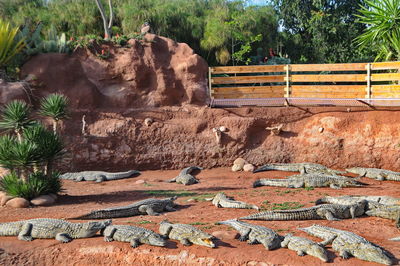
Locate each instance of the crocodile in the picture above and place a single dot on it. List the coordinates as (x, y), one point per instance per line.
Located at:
(61, 230)
(350, 199)
(186, 234)
(134, 235)
(385, 211)
(375, 173)
(303, 168)
(150, 206)
(98, 176)
(348, 243)
(395, 238)
(304, 246)
(332, 212)
(255, 234)
(222, 201)
(310, 180)
(185, 177)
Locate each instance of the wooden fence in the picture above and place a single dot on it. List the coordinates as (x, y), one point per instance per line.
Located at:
(344, 81)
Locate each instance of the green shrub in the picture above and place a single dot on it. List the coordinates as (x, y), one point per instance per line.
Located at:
(38, 184)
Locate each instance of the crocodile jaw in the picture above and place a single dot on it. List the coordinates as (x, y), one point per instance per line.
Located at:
(204, 242)
(370, 253)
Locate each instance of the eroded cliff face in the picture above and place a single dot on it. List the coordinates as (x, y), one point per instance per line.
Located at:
(182, 136)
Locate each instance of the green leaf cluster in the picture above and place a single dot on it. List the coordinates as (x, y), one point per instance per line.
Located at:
(9, 45)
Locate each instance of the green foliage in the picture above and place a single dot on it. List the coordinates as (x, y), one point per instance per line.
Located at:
(51, 44)
(16, 116)
(382, 19)
(9, 45)
(54, 106)
(37, 185)
(17, 154)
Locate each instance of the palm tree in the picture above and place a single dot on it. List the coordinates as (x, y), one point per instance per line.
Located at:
(54, 106)
(382, 18)
(16, 117)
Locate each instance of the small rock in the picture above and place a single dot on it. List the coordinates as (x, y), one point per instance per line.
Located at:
(236, 168)
(43, 200)
(222, 129)
(321, 129)
(5, 199)
(148, 121)
(248, 167)
(140, 181)
(18, 203)
(224, 235)
(240, 161)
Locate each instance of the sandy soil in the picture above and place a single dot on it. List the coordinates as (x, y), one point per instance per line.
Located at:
(80, 198)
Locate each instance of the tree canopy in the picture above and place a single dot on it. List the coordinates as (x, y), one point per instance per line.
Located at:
(222, 31)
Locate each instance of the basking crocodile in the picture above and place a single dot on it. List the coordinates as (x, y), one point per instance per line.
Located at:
(347, 243)
(310, 180)
(391, 212)
(304, 246)
(185, 177)
(255, 234)
(350, 199)
(332, 212)
(186, 234)
(134, 235)
(98, 176)
(61, 230)
(303, 168)
(375, 173)
(150, 206)
(222, 201)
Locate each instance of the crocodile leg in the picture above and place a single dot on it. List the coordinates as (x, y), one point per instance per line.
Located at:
(328, 215)
(170, 208)
(344, 254)
(252, 239)
(302, 170)
(334, 186)
(171, 180)
(244, 235)
(25, 233)
(286, 241)
(185, 242)
(327, 241)
(79, 178)
(63, 237)
(110, 236)
(148, 209)
(301, 253)
(135, 242)
(381, 177)
(101, 178)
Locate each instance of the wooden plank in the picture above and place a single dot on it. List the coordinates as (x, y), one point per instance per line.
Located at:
(248, 95)
(247, 69)
(328, 78)
(329, 67)
(246, 79)
(385, 65)
(386, 88)
(328, 88)
(329, 95)
(386, 94)
(385, 76)
(249, 89)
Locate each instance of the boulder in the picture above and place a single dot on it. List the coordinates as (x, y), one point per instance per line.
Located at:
(236, 168)
(43, 200)
(54, 196)
(18, 203)
(140, 181)
(248, 167)
(240, 162)
(4, 198)
(224, 235)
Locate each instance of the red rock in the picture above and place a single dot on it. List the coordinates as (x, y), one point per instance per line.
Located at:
(18, 203)
(248, 167)
(224, 235)
(43, 200)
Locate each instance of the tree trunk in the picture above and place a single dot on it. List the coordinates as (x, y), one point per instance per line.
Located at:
(49, 168)
(107, 23)
(55, 126)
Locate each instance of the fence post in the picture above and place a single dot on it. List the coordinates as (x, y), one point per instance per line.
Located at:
(368, 78)
(210, 82)
(287, 88)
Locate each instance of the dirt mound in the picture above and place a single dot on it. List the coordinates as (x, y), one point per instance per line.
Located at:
(13, 91)
(155, 72)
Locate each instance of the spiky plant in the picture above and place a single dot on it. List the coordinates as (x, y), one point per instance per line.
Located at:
(49, 145)
(55, 106)
(382, 18)
(16, 117)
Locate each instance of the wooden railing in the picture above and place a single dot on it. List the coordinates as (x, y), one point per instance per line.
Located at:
(345, 81)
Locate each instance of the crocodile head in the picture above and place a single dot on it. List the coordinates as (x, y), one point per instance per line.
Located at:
(319, 252)
(369, 252)
(351, 182)
(204, 241)
(155, 240)
(91, 228)
(271, 244)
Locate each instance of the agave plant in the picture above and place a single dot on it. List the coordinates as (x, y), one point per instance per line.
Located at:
(382, 18)
(49, 145)
(16, 117)
(9, 46)
(54, 106)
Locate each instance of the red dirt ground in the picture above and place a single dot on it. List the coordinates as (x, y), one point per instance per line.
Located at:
(80, 198)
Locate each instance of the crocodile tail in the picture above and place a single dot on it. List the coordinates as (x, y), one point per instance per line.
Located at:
(102, 214)
(264, 168)
(271, 182)
(293, 215)
(227, 222)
